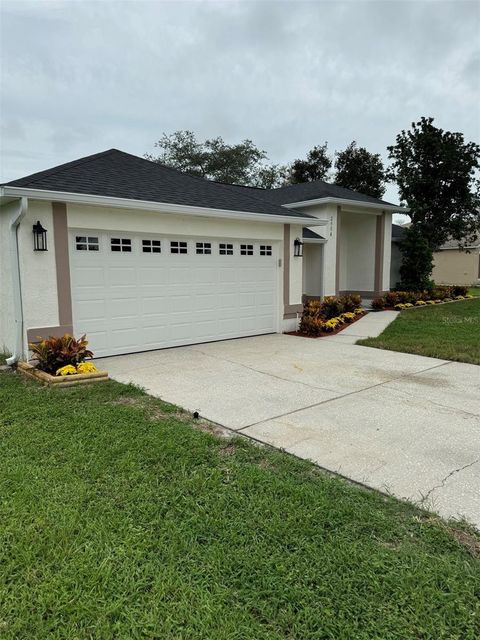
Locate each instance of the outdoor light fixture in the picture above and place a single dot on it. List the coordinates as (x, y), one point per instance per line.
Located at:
(39, 237)
(298, 248)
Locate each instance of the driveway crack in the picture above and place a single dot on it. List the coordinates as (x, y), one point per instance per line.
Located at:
(446, 478)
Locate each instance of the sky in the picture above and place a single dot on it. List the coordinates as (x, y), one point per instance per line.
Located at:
(78, 77)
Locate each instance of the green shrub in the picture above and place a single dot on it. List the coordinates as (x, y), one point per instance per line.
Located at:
(459, 290)
(350, 302)
(378, 304)
(53, 353)
(332, 307)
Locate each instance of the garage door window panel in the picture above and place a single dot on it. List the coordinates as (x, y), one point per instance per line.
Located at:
(151, 246)
(121, 245)
(246, 249)
(225, 249)
(177, 246)
(86, 243)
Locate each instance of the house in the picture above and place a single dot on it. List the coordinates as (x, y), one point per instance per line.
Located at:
(398, 232)
(452, 265)
(140, 256)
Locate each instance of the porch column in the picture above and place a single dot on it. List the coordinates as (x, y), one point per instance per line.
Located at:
(379, 251)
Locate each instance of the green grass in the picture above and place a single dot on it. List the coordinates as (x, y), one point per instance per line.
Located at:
(447, 331)
(3, 357)
(118, 519)
(474, 291)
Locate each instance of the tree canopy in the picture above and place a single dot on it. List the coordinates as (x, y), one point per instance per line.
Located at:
(435, 171)
(243, 163)
(316, 166)
(358, 169)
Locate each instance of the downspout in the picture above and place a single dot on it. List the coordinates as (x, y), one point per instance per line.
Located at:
(16, 281)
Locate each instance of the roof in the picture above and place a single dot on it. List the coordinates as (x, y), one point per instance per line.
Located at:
(117, 174)
(397, 232)
(454, 244)
(319, 189)
(308, 234)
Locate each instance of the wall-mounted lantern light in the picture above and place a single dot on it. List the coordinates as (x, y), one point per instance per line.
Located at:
(298, 248)
(39, 237)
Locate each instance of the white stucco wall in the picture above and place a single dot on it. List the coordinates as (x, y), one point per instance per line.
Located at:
(90, 217)
(37, 274)
(296, 268)
(38, 270)
(358, 239)
(329, 232)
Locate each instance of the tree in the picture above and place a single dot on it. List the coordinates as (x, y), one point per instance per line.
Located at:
(435, 173)
(417, 261)
(214, 159)
(360, 170)
(316, 166)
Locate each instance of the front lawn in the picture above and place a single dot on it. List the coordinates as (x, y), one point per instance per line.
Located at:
(448, 331)
(474, 291)
(119, 519)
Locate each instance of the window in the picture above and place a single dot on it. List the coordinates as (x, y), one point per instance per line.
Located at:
(246, 249)
(204, 248)
(86, 243)
(151, 246)
(178, 247)
(225, 249)
(121, 244)
(265, 249)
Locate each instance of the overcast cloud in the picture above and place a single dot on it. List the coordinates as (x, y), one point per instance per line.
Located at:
(79, 77)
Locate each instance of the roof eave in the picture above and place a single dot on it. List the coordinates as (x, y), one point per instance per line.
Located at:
(345, 201)
(148, 205)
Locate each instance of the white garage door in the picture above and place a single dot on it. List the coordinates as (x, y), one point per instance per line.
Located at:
(138, 292)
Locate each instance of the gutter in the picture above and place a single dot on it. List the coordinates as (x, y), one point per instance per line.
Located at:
(16, 281)
(160, 207)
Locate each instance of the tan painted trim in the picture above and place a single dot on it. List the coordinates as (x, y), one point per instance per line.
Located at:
(33, 335)
(379, 251)
(290, 316)
(60, 236)
(293, 308)
(337, 251)
(364, 294)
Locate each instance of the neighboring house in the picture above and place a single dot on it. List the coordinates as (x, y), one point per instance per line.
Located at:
(396, 257)
(140, 256)
(452, 265)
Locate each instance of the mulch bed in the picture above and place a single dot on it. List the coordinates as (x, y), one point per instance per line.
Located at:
(326, 334)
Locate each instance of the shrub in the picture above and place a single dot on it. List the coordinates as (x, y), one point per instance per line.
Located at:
(350, 302)
(378, 304)
(459, 298)
(459, 290)
(55, 353)
(391, 298)
(332, 307)
(420, 303)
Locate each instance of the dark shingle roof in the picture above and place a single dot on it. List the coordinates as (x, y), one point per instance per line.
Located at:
(118, 174)
(397, 232)
(311, 235)
(454, 244)
(319, 189)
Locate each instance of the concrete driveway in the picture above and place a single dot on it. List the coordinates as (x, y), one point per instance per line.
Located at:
(400, 423)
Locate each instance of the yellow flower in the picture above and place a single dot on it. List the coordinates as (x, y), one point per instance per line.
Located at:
(420, 303)
(67, 370)
(86, 367)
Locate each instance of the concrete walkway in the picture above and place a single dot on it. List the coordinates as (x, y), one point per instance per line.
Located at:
(397, 422)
